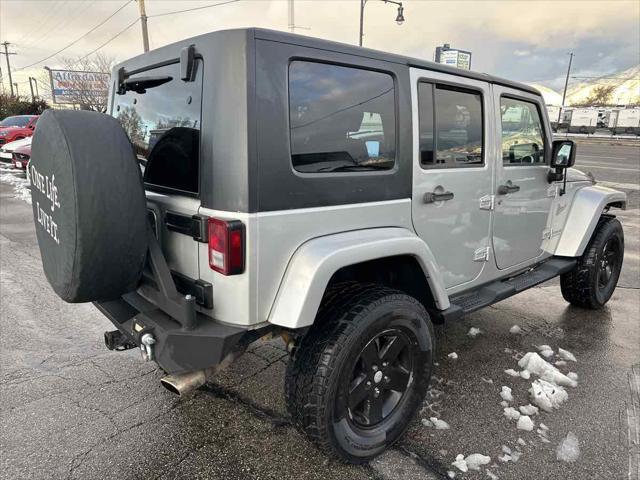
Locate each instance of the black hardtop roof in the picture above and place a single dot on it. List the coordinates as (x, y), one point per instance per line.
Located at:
(312, 42)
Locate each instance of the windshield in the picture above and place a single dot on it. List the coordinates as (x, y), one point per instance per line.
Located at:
(19, 121)
(163, 123)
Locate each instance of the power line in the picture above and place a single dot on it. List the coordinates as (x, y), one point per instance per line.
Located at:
(192, 9)
(79, 38)
(109, 41)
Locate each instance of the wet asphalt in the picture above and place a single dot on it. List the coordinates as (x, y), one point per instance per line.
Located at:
(71, 409)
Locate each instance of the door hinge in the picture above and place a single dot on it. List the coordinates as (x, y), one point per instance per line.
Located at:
(487, 202)
(481, 254)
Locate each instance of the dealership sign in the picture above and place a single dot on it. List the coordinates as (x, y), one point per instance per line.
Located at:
(69, 86)
(453, 57)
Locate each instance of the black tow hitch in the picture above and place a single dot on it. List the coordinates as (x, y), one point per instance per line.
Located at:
(117, 341)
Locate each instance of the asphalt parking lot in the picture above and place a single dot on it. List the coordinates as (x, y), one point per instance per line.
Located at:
(71, 409)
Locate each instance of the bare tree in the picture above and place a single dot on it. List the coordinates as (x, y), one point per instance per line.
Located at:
(89, 91)
(599, 96)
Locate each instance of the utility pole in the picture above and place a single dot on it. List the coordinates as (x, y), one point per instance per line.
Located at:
(292, 21)
(17, 94)
(143, 23)
(566, 83)
(6, 54)
(33, 97)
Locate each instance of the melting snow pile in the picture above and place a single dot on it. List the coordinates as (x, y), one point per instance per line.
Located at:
(547, 395)
(472, 462)
(453, 356)
(21, 186)
(534, 363)
(525, 423)
(546, 351)
(515, 330)
(505, 393)
(473, 332)
(566, 355)
(569, 449)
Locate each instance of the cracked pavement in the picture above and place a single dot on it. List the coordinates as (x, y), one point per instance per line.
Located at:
(70, 409)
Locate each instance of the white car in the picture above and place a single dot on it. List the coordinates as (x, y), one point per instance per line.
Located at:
(7, 150)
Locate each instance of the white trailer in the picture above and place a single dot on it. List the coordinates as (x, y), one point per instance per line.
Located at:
(554, 112)
(583, 120)
(627, 121)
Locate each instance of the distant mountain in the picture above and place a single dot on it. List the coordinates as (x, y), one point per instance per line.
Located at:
(620, 88)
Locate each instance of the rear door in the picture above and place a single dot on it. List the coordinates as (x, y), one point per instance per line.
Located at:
(163, 123)
(453, 171)
(523, 195)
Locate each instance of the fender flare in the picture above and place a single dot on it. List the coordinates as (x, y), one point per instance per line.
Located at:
(314, 263)
(586, 209)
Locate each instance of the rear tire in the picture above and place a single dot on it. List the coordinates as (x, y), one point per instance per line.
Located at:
(359, 375)
(593, 280)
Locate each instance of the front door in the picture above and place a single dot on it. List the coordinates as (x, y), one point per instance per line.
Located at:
(523, 195)
(452, 171)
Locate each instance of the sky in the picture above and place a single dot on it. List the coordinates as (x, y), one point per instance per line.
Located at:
(521, 40)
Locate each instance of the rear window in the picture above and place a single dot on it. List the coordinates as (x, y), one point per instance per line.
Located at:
(163, 124)
(342, 119)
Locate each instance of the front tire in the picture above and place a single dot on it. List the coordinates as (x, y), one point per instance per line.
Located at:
(593, 280)
(359, 375)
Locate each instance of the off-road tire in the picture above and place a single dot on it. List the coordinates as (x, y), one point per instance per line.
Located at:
(580, 286)
(351, 315)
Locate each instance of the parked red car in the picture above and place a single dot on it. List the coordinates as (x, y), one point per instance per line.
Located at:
(20, 157)
(17, 127)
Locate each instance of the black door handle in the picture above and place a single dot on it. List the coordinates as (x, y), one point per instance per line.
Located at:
(431, 197)
(508, 188)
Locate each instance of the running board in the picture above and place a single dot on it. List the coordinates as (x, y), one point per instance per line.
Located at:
(498, 290)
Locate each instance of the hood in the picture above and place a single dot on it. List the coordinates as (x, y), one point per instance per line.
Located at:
(24, 149)
(11, 146)
(575, 175)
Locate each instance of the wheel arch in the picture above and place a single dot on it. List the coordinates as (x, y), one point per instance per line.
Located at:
(587, 207)
(396, 257)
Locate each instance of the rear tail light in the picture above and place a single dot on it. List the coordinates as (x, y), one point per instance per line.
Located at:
(226, 246)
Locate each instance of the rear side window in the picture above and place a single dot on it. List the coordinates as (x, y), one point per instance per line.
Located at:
(455, 116)
(342, 119)
(163, 123)
(522, 133)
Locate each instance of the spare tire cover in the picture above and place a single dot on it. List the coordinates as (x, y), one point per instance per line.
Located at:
(89, 205)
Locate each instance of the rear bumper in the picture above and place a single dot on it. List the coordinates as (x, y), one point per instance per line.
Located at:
(176, 350)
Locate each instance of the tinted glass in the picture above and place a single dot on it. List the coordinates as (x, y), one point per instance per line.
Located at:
(163, 124)
(18, 121)
(341, 119)
(458, 127)
(522, 133)
(426, 118)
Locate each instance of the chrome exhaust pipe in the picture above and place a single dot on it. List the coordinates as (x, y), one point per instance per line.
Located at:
(185, 383)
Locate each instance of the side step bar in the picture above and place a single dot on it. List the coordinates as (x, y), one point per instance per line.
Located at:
(498, 290)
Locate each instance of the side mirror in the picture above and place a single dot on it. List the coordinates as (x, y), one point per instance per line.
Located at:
(563, 154)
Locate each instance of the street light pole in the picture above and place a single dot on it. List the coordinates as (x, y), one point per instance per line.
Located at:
(143, 23)
(566, 83)
(399, 17)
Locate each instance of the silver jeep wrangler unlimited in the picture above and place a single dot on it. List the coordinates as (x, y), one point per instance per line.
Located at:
(340, 197)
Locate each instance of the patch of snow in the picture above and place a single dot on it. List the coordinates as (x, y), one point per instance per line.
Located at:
(506, 450)
(569, 449)
(543, 426)
(573, 376)
(491, 475)
(525, 374)
(451, 474)
(487, 380)
(460, 463)
(528, 410)
(515, 456)
(439, 424)
(511, 413)
(508, 350)
(535, 364)
(566, 355)
(504, 404)
(473, 332)
(546, 351)
(561, 363)
(547, 395)
(505, 393)
(515, 330)
(476, 460)
(504, 458)
(426, 423)
(525, 423)
(512, 372)
(522, 442)
(453, 356)
(21, 188)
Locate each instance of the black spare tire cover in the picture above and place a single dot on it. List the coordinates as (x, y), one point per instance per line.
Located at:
(89, 205)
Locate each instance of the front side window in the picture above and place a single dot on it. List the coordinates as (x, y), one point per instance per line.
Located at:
(17, 121)
(341, 119)
(163, 123)
(522, 133)
(456, 118)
